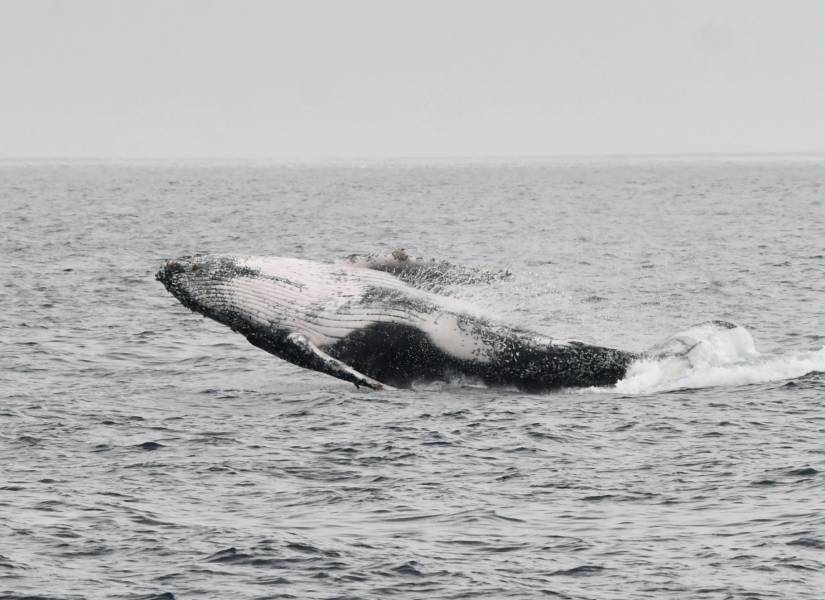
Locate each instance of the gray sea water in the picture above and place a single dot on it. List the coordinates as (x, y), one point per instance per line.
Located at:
(148, 453)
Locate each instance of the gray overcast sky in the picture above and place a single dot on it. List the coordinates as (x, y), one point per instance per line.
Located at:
(324, 79)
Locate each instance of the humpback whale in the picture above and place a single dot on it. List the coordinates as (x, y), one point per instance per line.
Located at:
(364, 320)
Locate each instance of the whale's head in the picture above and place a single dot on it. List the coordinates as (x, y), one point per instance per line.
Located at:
(188, 279)
(205, 283)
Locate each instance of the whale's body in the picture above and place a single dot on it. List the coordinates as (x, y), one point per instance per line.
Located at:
(363, 324)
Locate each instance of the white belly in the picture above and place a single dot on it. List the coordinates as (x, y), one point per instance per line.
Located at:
(327, 302)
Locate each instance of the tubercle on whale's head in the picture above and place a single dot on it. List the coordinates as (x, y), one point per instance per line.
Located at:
(173, 274)
(188, 278)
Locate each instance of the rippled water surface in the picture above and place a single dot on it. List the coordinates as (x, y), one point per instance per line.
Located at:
(148, 453)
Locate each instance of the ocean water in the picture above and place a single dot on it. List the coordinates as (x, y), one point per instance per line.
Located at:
(146, 452)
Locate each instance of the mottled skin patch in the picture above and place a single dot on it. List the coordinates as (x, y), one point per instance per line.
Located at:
(396, 300)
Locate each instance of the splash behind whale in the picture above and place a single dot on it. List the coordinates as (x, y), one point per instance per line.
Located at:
(359, 321)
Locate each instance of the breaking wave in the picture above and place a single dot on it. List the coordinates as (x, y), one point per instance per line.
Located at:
(712, 355)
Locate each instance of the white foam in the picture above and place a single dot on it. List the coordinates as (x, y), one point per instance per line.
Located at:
(713, 356)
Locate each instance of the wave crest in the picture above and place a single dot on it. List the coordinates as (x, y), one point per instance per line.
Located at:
(713, 354)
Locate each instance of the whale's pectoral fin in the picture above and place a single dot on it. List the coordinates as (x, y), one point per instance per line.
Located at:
(425, 274)
(306, 354)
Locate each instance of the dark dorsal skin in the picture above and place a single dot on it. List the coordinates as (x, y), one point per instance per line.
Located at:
(399, 355)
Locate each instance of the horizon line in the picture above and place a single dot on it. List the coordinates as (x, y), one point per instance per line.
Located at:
(456, 157)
